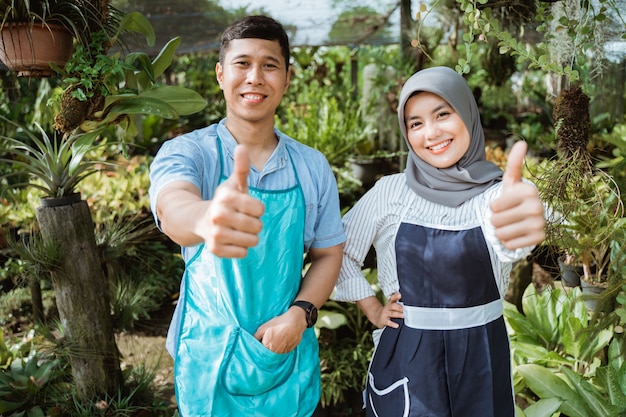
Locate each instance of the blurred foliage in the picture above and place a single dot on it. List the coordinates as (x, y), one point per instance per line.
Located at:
(322, 108)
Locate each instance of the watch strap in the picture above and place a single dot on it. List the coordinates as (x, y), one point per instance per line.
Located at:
(309, 309)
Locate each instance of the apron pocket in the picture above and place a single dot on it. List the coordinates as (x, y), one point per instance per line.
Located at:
(390, 401)
(252, 369)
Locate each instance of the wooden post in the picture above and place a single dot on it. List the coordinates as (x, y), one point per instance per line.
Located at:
(82, 299)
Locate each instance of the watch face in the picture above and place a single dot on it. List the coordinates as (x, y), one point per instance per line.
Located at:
(313, 316)
(310, 309)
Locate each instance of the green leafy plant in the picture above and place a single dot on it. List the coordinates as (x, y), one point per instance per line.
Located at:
(571, 35)
(79, 17)
(586, 218)
(345, 351)
(104, 88)
(52, 165)
(86, 78)
(346, 346)
(27, 379)
(133, 247)
(36, 384)
(559, 359)
(552, 330)
(325, 123)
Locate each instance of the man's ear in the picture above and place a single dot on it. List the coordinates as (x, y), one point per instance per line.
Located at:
(219, 73)
(288, 79)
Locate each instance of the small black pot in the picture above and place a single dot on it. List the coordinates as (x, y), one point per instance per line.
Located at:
(65, 200)
(570, 274)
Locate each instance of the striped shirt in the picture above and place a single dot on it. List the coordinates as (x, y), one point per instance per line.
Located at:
(374, 221)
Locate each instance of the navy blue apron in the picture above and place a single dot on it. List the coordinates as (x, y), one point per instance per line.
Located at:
(450, 356)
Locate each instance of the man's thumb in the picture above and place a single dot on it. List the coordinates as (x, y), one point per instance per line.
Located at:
(514, 163)
(241, 169)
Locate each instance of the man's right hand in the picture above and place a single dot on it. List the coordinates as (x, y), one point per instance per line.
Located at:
(232, 223)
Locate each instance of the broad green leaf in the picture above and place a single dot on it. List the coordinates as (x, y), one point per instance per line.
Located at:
(141, 105)
(164, 59)
(545, 384)
(330, 319)
(572, 337)
(590, 394)
(527, 352)
(141, 75)
(617, 353)
(608, 379)
(137, 22)
(595, 342)
(35, 412)
(540, 313)
(517, 322)
(543, 408)
(6, 406)
(184, 100)
(109, 100)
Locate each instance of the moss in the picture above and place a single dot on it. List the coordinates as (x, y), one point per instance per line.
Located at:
(572, 122)
(74, 111)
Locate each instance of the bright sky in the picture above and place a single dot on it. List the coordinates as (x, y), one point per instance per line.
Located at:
(313, 18)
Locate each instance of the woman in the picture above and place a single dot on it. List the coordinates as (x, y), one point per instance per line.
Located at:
(446, 232)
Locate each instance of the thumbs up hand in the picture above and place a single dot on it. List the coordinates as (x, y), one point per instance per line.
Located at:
(233, 219)
(517, 214)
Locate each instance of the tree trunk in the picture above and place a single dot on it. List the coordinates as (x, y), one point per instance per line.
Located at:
(82, 299)
(36, 300)
(406, 21)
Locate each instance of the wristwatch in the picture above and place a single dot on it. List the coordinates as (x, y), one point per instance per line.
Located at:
(309, 309)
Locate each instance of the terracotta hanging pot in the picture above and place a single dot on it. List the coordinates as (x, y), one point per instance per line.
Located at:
(29, 49)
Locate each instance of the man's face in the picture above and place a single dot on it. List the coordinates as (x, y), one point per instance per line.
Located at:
(254, 78)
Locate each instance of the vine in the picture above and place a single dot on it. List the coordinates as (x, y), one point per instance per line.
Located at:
(575, 32)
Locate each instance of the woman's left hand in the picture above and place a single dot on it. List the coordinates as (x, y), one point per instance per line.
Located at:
(518, 214)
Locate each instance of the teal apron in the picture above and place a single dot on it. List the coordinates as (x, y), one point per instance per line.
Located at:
(220, 368)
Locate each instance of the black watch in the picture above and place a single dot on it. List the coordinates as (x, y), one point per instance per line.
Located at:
(310, 310)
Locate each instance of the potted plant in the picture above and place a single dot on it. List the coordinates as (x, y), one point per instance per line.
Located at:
(34, 34)
(589, 231)
(57, 165)
(53, 166)
(587, 210)
(104, 88)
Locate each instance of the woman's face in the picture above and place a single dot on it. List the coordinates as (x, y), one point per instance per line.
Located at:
(435, 130)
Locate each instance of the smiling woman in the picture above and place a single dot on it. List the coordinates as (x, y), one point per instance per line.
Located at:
(442, 310)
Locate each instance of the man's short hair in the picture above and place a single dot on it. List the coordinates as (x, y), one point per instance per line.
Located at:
(256, 27)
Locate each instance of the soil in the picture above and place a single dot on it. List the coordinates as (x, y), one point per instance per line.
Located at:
(146, 347)
(149, 351)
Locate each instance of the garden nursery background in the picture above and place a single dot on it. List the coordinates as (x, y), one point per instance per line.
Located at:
(88, 284)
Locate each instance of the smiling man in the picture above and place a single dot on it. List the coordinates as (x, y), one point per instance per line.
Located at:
(245, 202)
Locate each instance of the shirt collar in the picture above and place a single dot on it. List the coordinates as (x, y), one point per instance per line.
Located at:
(276, 161)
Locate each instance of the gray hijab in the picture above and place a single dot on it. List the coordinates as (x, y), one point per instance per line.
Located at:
(473, 173)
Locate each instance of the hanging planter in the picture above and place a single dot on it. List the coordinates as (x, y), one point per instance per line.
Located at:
(29, 49)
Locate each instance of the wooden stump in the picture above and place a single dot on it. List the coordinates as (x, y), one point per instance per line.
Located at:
(82, 299)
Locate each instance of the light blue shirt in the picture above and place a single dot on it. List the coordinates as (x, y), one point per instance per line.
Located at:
(194, 158)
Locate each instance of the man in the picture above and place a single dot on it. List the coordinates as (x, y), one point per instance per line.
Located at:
(246, 202)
